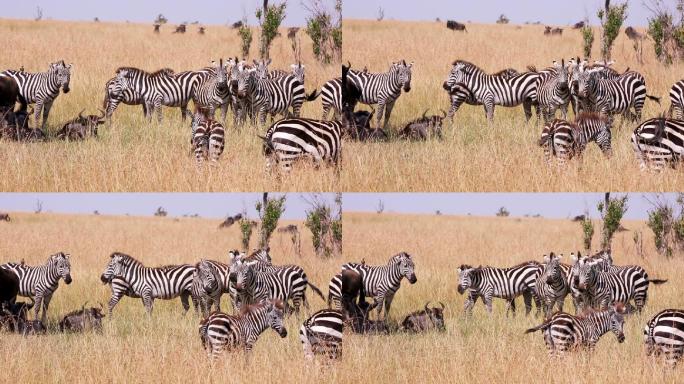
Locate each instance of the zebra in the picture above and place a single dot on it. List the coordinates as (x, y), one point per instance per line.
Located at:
(321, 334)
(119, 288)
(506, 283)
(241, 79)
(553, 92)
(42, 88)
(262, 254)
(552, 284)
(382, 282)
(42, 281)
(676, 110)
(491, 90)
(298, 71)
(564, 332)
(208, 136)
(664, 334)
(151, 283)
(115, 94)
(206, 288)
(293, 139)
(383, 88)
(565, 140)
(459, 93)
(335, 292)
(212, 89)
(331, 98)
(657, 142)
(220, 331)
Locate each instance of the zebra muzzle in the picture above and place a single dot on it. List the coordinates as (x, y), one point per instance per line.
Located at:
(460, 289)
(67, 279)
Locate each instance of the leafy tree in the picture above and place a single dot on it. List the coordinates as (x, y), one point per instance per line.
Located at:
(611, 18)
(270, 18)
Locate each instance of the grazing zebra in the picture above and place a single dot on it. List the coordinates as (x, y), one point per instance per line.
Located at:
(565, 140)
(220, 331)
(331, 98)
(321, 334)
(491, 90)
(657, 142)
(564, 332)
(505, 283)
(115, 94)
(676, 110)
(553, 92)
(664, 334)
(384, 88)
(42, 281)
(335, 292)
(552, 284)
(459, 92)
(208, 136)
(212, 90)
(151, 283)
(293, 139)
(382, 282)
(42, 88)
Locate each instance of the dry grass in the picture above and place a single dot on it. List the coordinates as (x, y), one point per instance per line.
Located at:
(474, 155)
(134, 348)
(488, 349)
(132, 154)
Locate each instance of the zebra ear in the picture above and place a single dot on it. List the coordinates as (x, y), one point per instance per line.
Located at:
(573, 257)
(547, 259)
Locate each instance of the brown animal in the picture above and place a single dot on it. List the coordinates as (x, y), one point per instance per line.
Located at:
(288, 229)
(156, 28)
(425, 320)
(292, 32)
(81, 127)
(456, 26)
(552, 31)
(82, 320)
(180, 29)
(230, 220)
(5, 216)
(424, 127)
(578, 25)
(201, 30)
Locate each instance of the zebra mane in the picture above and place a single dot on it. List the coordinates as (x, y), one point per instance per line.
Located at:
(163, 72)
(247, 309)
(468, 66)
(531, 262)
(585, 117)
(532, 68)
(508, 71)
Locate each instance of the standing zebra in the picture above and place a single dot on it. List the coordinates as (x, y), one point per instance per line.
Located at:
(42, 281)
(676, 110)
(384, 88)
(119, 288)
(553, 92)
(331, 98)
(664, 334)
(42, 88)
(459, 93)
(220, 331)
(382, 282)
(241, 79)
(321, 334)
(565, 140)
(657, 142)
(552, 284)
(491, 90)
(151, 283)
(297, 71)
(564, 332)
(206, 288)
(335, 292)
(116, 93)
(506, 283)
(208, 136)
(212, 90)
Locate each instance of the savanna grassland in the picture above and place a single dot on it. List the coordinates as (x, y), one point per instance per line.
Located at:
(132, 154)
(477, 156)
(134, 347)
(494, 349)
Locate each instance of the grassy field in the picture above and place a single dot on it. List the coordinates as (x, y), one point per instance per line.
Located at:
(477, 156)
(132, 154)
(486, 349)
(133, 347)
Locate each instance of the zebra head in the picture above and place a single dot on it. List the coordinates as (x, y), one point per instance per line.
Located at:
(583, 81)
(562, 73)
(221, 75)
(60, 261)
(586, 273)
(261, 68)
(298, 71)
(242, 77)
(63, 74)
(275, 312)
(403, 73)
(205, 274)
(261, 255)
(406, 266)
(243, 274)
(552, 271)
(113, 269)
(464, 278)
(617, 321)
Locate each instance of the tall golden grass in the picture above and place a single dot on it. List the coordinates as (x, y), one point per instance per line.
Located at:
(477, 156)
(132, 154)
(493, 348)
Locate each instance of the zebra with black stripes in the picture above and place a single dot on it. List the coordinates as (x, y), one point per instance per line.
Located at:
(505, 283)
(150, 283)
(119, 288)
(564, 332)
(208, 136)
(116, 93)
(331, 98)
(206, 287)
(552, 284)
(664, 335)
(553, 91)
(212, 90)
(381, 282)
(42, 88)
(383, 88)
(321, 334)
(220, 331)
(335, 292)
(241, 79)
(676, 110)
(459, 93)
(296, 70)
(564, 140)
(491, 90)
(41, 282)
(658, 142)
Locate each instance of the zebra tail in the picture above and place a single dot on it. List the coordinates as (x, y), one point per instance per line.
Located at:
(313, 95)
(539, 327)
(656, 99)
(657, 281)
(315, 289)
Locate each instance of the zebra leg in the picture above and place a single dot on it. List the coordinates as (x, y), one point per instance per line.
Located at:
(388, 113)
(527, 108)
(159, 111)
(184, 111)
(37, 305)
(489, 109)
(380, 112)
(487, 298)
(379, 302)
(46, 112)
(46, 304)
(388, 304)
(148, 301)
(113, 301)
(469, 303)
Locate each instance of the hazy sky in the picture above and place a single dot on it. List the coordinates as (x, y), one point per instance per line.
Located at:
(560, 12)
(204, 11)
(211, 205)
(552, 205)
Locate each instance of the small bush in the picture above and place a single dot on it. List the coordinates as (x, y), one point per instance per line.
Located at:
(587, 39)
(502, 212)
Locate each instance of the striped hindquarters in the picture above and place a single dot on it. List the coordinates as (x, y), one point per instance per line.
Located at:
(321, 334)
(664, 335)
(658, 141)
(208, 138)
(677, 100)
(335, 292)
(331, 97)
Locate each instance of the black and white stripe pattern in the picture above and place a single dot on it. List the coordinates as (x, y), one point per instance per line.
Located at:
(119, 288)
(41, 282)
(552, 284)
(296, 70)
(293, 139)
(335, 292)
(564, 140)
(459, 93)
(491, 90)
(676, 110)
(207, 286)
(208, 136)
(212, 90)
(220, 331)
(116, 93)
(321, 334)
(42, 88)
(382, 282)
(505, 283)
(331, 98)
(664, 335)
(553, 91)
(565, 332)
(151, 283)
(658, 142)
(384, 88)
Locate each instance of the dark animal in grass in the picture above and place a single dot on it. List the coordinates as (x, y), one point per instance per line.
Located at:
(578, 25)
(83, 320)
(31, 327)
(180, 29)
(156, 28)
(9, 288)
(17, 129)
(81, 127)
(425, 320)
(456, 26)
(424, 127)
(230, 220)
(201, 30)
(9, 95)
(12, 315)
(553, 31)
(5, 216)
(362, 130)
